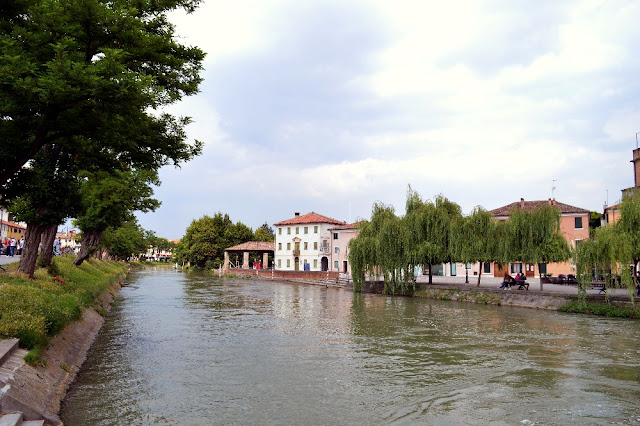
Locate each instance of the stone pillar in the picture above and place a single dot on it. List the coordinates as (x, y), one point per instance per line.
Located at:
(265, 260)
(226, 260)
(245, 260)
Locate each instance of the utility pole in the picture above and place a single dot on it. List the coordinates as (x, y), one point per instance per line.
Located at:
(553, 187)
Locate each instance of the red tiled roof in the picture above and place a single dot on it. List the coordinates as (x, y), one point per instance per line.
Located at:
(312, 217)
(532, 205)
(253, 246)
(613, 207)
(348, 226)
(14, 224)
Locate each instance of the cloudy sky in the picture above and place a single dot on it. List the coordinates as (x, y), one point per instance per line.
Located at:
(330, 106)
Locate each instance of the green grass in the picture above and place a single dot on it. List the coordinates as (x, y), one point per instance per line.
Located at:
(611, 311)
(36, 310)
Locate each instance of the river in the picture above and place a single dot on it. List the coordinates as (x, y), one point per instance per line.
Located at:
(192, 349)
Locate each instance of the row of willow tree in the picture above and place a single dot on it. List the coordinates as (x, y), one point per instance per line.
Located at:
(390, 247)
(83, 85)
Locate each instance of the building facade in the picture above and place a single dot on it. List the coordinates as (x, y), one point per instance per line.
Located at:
(304, 242)
(574, 227)
(340, 237)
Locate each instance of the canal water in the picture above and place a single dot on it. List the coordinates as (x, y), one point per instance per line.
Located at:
(191, 349)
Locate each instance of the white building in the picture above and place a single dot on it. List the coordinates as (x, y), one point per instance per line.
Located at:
(304, 242)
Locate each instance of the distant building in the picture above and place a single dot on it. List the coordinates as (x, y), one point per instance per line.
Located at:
(612, 213)
(574, 227)
(340, 237)
(304, 242)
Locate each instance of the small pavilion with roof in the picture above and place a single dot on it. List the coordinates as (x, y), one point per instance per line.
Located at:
(263, 247)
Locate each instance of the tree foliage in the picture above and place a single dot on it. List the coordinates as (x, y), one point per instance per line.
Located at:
(207, 238)
(612, 251)
(109, 200)
(88, 75)
(391, 247)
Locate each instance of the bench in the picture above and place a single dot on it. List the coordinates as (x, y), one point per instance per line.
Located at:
(522, 285)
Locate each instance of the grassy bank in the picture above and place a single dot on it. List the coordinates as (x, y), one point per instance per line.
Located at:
(35, 310)
(612, 311)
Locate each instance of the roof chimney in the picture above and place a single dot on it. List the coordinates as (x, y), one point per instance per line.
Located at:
(549, 201)
(522, 203)
(297, 214)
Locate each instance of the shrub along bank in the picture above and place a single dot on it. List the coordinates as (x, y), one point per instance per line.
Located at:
(36, 310)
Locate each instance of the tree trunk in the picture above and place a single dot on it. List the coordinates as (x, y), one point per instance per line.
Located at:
(30, 250)
(430, 275)
(46, 243)
(480, 273)
(90, 241)
(540, 277)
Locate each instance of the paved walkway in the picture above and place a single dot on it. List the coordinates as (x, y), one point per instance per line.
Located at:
(5, 260)
(487, 282)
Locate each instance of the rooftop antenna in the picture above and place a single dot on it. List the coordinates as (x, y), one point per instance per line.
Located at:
(553, 186)
(637, 140)
(607, 198)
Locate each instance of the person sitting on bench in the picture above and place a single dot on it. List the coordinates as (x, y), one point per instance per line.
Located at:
(508, 279)
(522, 281)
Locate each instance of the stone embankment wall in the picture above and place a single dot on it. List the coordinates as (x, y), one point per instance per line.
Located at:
(38, 391)
(286, 275)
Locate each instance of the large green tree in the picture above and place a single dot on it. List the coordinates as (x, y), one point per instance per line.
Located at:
(124, 242)
(91, 75)
(44, 196)
(207, 238)
(534, 237)
(473, 239)
(109, 200)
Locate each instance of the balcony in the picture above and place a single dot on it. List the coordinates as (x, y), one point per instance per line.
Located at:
(325, 249)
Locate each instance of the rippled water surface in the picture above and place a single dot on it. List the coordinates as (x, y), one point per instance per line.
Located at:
(196, 350)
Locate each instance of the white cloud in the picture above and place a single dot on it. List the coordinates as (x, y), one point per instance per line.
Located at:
(308, 106)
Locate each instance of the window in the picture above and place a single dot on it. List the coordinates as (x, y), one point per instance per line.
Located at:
(335, 235)
(335, 264)
(516, 268)
(336, 250)
(578, 242)
(487, 267)
(279, 263)
(279, 246)
(297, 229)
(288, 230)
(306, 244)
(315, 229)
(452, 267)
(288, 263)
(315, 263)
(288, 246)
(315, 245)
(578, 223)
(279, 231)
(306, 229)
(305, 262)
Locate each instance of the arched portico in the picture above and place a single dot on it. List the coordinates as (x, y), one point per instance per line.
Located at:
(263, 247)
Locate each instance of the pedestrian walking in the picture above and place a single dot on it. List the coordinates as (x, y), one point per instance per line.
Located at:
(12, 246)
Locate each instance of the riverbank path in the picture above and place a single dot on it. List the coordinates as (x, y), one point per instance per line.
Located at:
(5, 260)
(489, 282)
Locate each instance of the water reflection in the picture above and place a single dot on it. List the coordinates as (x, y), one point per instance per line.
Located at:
(194, 349)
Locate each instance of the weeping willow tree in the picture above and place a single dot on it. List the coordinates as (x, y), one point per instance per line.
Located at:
(429, 227)
(380, 251)
(391, 247)
(534, 237)
(601, 254)
(613, 250)
(473, 238)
